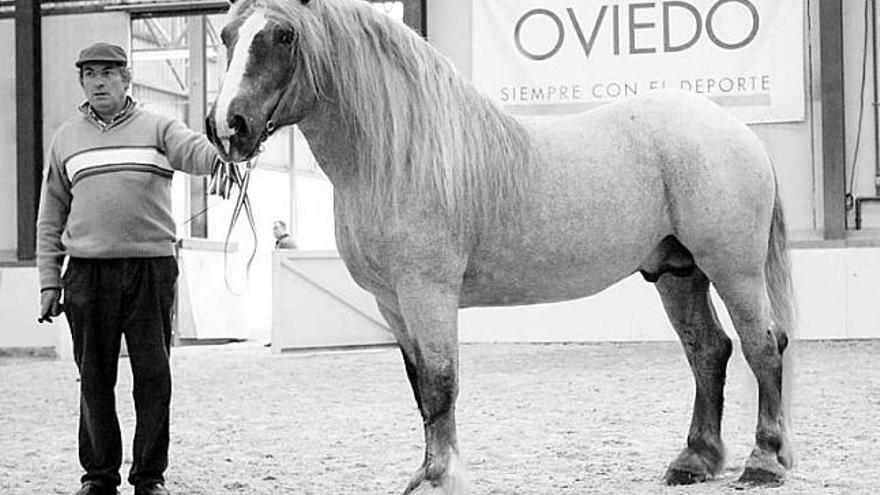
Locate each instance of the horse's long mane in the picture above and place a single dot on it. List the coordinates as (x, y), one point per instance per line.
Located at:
(420, 127)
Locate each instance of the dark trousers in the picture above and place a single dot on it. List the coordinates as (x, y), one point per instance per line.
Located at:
(103, 300)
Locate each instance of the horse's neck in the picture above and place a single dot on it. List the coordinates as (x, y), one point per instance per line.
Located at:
(332, 145)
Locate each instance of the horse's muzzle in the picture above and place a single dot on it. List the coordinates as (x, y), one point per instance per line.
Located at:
(241, 140)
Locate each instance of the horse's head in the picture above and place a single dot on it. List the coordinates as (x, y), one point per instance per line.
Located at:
(260, 91)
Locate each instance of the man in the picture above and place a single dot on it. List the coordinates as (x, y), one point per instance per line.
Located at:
(283, 240)
(106, 206)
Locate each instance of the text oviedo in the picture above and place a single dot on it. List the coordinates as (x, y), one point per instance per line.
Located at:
(633, 29)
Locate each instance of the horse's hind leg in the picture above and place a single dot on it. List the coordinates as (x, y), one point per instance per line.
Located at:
(708, 349)
(763, 343)
(426, 329)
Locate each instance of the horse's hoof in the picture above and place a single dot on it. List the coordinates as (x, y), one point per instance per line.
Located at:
(681, 477)
(761, 477)
(452, 482)
(766, 468)
(692, 466)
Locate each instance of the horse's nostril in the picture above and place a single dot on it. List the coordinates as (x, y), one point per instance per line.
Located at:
(238, 124)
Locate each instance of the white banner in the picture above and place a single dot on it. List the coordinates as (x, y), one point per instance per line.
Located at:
(562, 56)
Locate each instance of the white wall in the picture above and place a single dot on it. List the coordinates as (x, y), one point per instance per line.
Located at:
(8, 194)
(314, 213)
(19, 308)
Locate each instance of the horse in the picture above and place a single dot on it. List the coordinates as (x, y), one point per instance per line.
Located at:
(443, 201)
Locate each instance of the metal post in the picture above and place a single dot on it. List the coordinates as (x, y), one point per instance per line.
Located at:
(196, 83)
(833, 137)
(875, 101)
(29, 122)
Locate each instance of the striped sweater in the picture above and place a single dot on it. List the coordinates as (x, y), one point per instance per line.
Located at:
(107, 187)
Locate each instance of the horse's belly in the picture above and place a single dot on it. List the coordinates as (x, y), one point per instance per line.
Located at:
(542, 274)
(515, 292)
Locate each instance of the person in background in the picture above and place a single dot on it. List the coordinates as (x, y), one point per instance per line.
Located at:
(105, 205)
(283, 239)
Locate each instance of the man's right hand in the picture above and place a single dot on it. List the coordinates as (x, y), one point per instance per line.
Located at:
(50, 305)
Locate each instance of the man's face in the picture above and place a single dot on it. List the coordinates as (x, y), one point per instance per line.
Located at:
(277, 230)
(105, 87)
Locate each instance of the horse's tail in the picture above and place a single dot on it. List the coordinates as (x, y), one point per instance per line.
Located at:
(777, 275)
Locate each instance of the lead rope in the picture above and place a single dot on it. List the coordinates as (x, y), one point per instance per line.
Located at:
(227, 175)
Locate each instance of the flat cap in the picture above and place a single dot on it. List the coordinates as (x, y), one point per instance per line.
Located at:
(102, 52)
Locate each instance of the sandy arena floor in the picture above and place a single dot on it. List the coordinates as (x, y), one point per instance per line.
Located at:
(533, 420)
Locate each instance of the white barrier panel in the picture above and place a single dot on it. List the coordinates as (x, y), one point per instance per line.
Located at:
(207, 311)
(19, 308)
(317, 304)
(836, 292)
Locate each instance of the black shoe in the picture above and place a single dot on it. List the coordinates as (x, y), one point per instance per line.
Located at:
(154, 488)
(93, 488)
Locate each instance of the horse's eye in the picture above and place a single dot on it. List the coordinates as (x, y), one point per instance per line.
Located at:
(284, 37)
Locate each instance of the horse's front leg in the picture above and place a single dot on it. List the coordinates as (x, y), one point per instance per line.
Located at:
(426, 326)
